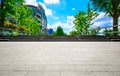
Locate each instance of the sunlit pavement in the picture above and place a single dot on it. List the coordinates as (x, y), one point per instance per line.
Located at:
(59, 58)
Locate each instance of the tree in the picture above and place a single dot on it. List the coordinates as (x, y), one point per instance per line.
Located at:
(24, 15)
(7, 7)
(34, 26)
(59, 31)
(94, 31)
(10, 25)
(80, 21)
(83, 20)
(16, 10)
(91, 15)
(108, 32)
(111, 7)
(73, 33)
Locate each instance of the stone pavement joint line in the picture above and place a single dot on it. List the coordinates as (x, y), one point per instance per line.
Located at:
(54, 73)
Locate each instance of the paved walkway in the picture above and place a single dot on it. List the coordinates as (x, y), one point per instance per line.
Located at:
(60, 59)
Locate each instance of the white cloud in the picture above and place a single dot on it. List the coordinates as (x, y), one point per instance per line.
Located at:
(73, 9)
(67, 26)
(70, 20)
(34, 2)
(102, 23)
(101, 15)
(102, 20)
(51, 1)
(48, 11)
(31, 2)
(119, 21)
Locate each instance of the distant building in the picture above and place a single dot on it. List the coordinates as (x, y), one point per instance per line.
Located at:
(40, 13)
(43, 19)
(50, 31)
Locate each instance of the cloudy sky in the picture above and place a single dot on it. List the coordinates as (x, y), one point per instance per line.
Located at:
(62, 12)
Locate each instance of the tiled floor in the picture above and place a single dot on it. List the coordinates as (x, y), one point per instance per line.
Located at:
(59, 58)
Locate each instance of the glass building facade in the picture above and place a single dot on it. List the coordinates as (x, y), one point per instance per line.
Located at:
(42, 19)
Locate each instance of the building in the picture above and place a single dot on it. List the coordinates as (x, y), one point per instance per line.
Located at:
(50, 31)
(40, 13)
(43, 19)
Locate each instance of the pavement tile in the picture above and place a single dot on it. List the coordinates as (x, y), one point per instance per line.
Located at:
(107, 73)
(76, 74)
(34, 73)
(12, 73)
(47, 73)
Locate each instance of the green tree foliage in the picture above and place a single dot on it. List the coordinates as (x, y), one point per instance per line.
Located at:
(7, 7)
(111, 7)
(25, 18)
(59, 31)
(16, 10)
(34, 26)
(83, 20)
(22, 13)
(91, 15)
(73, 33)
(80, 21)
(108, 32)
(94, 31)
(9, 25)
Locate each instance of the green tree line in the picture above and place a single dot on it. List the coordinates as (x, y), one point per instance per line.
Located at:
(111, 7)
(21, 14)
(83, 20)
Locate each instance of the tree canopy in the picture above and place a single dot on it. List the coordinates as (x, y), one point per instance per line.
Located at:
(18, 12)
(111, 7)
(59, 31)
(7, 7)
(83, 20)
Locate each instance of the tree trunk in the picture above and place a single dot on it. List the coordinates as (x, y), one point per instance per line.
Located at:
(115, 18)
(115, 25)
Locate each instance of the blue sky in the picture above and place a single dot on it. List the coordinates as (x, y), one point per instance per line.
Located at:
(62, 12)
(66, 8)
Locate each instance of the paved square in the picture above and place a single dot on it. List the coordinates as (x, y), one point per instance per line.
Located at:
(59, 58)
